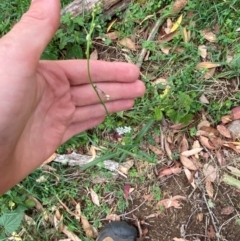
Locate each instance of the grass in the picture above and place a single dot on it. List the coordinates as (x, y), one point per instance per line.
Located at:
(180, 104)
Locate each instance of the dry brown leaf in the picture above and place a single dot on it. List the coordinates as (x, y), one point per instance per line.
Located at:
(155, 150)
(209, 188)
(195, 145)
(209, 74)
(221, 160)
(167, 37)
(169, 23)
(209, 35)
(234, 171)
(94, 197)
(179, 239)
(167, 148)
(128, 43)
(232, 146)
(210, 172)
(171, 202)
(165, 50)
(216, 141)
(58, 221)
(205, 142)
(94, 55)
(200, 217)
(125, 166)
(203, 51)
(112, 35)
(184, 144)
(89, 230)
(113, 217)
(189, 176)
(178, 6)
(162, 81)
(224, 131)
(29, 220)
(191, 152)
(211, 131)
(70, 235)
(210, 232)
(206, 65)
(235, 113)
(203, 123)
(227, 210)
(78, 211)
(203, 99)
(186, 35)
(170, 170)
(226, 119)
(188, 163)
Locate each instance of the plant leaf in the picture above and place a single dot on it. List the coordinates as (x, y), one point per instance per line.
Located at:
(94, 197)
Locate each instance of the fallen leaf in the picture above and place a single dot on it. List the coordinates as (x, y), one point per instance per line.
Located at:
(160, 80)
(234, 128)
(227, 210)
(210, 172)
(224, 131)
(231, 181)
(126, 190)
(58, 221)
(178, 6)
(220, 158)
(111, 24)
(70, 235)
(234, 171)
(211, 131)
(177, 24)
(179, 239)
(206, 65)
(167, 148)
(29, 220)
(89, 230)
(209, 188)
(188, 163)
(165, 50)
(155, 150)
(113, 217)
(112, 35)
(203, 51)
(128, 43)
(184, 144)
(94, 55)
(78, 211)
(200, 217)
(125, 166)
(203, 123)
(94, 197)
(232, 146)
(205, 142)
(209, 74)
(210, 36)
(189, 176)
(210, 232)
(235, 113)
(203, 99)
(167, 37)
(226, 118)
(171, 202)
(170, 170)
(191, 152)
(186, 35)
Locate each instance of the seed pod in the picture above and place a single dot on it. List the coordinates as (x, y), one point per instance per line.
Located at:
(178, 6)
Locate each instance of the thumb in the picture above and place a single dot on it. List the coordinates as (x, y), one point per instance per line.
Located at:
(33, 32)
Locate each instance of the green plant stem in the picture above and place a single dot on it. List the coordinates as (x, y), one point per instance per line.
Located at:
(88, 61)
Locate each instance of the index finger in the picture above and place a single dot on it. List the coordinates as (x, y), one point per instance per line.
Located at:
(77, 73)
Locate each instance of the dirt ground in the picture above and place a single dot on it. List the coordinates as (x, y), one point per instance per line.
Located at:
(192, 221)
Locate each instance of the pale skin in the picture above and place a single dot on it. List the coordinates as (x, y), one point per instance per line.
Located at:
(44, 103)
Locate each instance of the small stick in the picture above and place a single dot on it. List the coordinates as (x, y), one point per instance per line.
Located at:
(151, 36)
(211, 215)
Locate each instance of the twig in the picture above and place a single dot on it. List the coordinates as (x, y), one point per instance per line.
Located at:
(151, 36)
(211, 215)
(125, 214)
(226, 222)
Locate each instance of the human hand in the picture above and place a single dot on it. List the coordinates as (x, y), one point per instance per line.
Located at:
(44, 103)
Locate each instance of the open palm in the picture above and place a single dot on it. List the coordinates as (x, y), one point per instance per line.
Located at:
(44, 103)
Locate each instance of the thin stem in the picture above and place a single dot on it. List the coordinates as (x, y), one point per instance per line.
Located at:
(88, 61)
